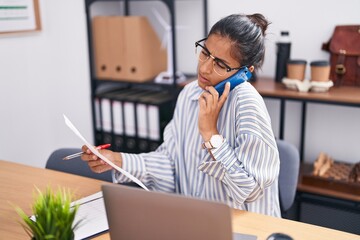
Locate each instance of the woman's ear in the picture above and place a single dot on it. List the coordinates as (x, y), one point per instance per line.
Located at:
(251, 68)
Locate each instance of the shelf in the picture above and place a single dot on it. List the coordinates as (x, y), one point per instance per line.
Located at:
(349, 96)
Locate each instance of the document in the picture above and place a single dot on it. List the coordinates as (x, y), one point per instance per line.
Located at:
(97, 153)
(92, 216)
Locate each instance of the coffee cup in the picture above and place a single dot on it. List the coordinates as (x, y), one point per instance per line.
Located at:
(296, 69)
(320, 71)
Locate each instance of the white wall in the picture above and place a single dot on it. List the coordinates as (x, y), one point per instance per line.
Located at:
(42, 76)
(46, 74)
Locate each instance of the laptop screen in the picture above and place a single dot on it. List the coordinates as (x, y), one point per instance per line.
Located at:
(134, 213)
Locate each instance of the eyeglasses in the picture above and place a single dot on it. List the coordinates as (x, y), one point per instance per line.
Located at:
(204, 54)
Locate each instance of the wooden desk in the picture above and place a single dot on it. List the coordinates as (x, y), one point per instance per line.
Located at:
(268, 88)
(17, 185)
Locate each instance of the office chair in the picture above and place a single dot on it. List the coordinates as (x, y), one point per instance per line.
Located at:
(74, 166)
(289, 174)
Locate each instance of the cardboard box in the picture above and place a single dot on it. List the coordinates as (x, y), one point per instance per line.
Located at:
(116, 47)
(128, 47)
(101, 48)
(144, 56)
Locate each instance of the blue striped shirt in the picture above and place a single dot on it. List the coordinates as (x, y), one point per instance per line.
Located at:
(243, 171)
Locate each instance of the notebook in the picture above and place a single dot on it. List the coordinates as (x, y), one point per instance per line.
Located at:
(133, 213)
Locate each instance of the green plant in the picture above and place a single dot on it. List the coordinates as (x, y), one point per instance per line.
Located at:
(54, 216)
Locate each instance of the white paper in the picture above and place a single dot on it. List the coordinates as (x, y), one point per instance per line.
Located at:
(92, 214)
(97, 153)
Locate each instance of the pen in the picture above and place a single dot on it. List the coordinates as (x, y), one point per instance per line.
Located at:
(79, 153)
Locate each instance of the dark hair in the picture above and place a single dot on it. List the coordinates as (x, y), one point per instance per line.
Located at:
(247, 33)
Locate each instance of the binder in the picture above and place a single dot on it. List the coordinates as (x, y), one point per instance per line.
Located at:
(133, 120)
(124, 104)
(142, 121)
(98, 132)
(103, 119)
(160, 108)
(135, 142)
(142, 126)
(105, 106)
(117, 118)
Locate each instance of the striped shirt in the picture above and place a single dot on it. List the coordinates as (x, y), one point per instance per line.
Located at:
(243, 171)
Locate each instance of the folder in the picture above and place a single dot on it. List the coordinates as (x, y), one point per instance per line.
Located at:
(117, 118)
(105, 106)
(98, 132)
(101, 47)
(145, 58)
(142, 126)
(142, 121)
(115, 33)
(127, 48)
(160, 108)
(103, 113)
(135, 135)
(133, 120)
(125, 138)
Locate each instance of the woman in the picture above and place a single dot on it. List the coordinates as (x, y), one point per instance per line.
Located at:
(240, 163)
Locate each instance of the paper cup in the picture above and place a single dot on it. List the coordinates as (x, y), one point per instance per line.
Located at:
(320, 71)
(296, 69)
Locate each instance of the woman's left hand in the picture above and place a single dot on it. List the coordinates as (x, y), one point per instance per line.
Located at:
(210, 106)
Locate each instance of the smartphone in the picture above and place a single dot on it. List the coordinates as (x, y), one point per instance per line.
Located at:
(243, 75)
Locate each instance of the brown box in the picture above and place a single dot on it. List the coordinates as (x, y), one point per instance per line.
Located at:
(144, 56)
(101, 47)
(127, 48)
(117, 57)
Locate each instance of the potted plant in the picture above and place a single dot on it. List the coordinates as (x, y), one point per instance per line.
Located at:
(53, 216)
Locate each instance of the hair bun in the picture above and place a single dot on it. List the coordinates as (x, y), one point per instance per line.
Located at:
(260, 21)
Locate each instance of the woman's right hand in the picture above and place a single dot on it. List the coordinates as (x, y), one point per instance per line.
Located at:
(98, 165)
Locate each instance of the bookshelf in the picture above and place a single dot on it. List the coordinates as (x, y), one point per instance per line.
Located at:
(170, 9)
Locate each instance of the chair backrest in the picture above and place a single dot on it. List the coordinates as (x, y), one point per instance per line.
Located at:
(289, 173)
(74, 166)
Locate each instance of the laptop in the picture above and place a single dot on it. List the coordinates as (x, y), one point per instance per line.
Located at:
(134, 213)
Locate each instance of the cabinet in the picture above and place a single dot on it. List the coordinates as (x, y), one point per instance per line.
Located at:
(170, 9)
(317, 205)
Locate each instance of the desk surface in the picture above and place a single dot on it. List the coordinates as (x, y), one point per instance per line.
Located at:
(336, 95)
(17, 183)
